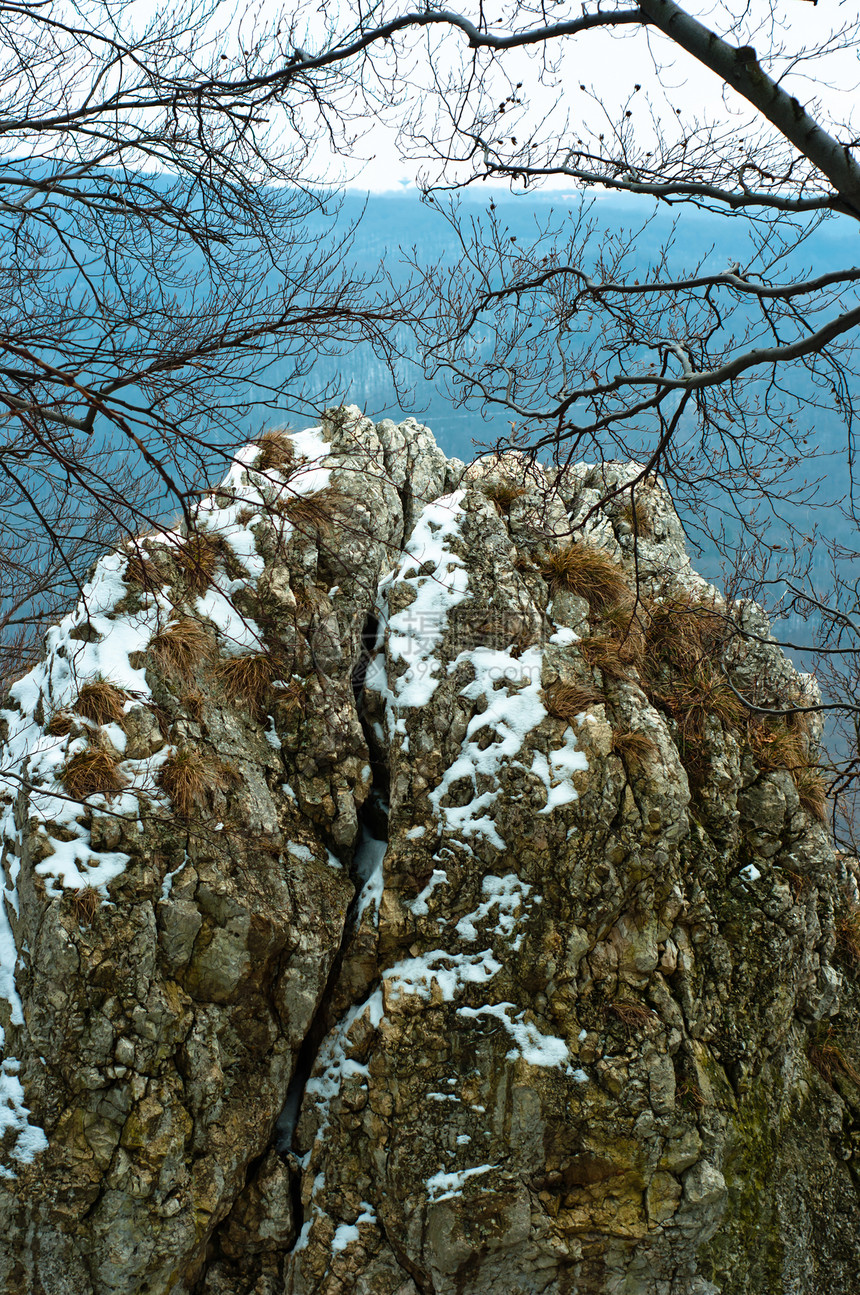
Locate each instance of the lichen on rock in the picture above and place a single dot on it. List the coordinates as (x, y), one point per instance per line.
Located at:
(400, 898)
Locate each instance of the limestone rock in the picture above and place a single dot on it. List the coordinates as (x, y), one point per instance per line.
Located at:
(434, 919)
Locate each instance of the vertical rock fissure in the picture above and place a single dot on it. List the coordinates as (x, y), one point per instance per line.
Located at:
(372, 821)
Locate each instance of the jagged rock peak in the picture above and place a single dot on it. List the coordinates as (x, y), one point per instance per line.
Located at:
(400, 899)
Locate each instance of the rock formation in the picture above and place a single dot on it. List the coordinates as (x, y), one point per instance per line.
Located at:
(400, 899)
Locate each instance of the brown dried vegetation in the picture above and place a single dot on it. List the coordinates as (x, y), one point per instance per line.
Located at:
(198, 559)
(92, 770)
(277, 453)
(101, 702)
(503, 493)
(632, 744)
(317, 513)
(689, 1094)
(828, 1058)
(604, 652)
(639, 515)
(812, 792)
(181, 646)
(567, 700)
(632, 1015)
(848, 933)
(85, 904)
(587, 571)
(146, 569)
(60, 724)
(186, 776)
(249, 679)
(683, 631)
(292, 700)
(192, 704)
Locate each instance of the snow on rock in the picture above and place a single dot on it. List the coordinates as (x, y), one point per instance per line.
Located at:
(535, 1048)
(444, 1186)
(437, 578)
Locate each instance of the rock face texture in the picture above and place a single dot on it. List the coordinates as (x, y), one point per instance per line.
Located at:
(400, 899)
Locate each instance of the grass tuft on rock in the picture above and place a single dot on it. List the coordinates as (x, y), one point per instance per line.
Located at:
(90, 771)
(586, 571)
(317, 514)
(606, 653)
(503, 493)
(60, 724)
(828, 1057)
(85, 904)
(639, 516)
(180, 647)
(848, 933)
(101, 701)
(632, 744)
(144, 568)
(812, 792)
(291, 701)
(568, 701)
(682, 631)
(277, 453)
(633, 1016)
(186, 777)
(249, 679)
(198, 559)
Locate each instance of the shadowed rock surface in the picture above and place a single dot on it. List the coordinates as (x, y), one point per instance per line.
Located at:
(400, 900)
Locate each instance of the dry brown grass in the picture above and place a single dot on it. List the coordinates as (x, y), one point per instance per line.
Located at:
(92, 770)
(632, 744)
(316, 513)
(683, 631)
(192, 704)
(181, 646)
(812, 792)
(60, 724)
(689, 1094)
(784, 744)
(828, 1058)
(277, 453)
(503, 493)
(101, 702)
(292, 700)
(249, 679)
(198, 559)
(605, 653)
(587, 571)
(776, 746)
(85, 904)
(525, 562)
(568, 700)
(640, 518)
(848, 933)
(144, 568)
(692, 699)
(186, 776)
(633, 1016)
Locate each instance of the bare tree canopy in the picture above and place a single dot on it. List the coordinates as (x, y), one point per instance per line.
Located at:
(156, 264)
(158, 164)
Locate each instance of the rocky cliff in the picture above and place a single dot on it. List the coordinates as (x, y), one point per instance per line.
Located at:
(401, 898)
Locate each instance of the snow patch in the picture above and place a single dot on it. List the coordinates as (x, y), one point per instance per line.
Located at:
(449, 972)
(369, 858)
(507, 895)
(442, 1186)
(438, 877)
(439, 581)
(535, 1048)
